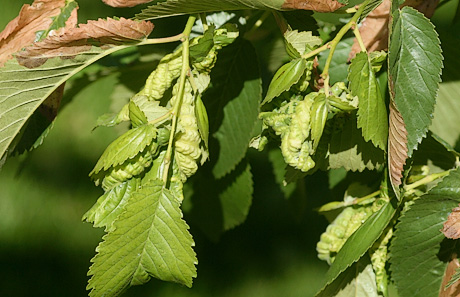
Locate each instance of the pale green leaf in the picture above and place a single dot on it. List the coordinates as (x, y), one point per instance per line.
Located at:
(23, 90)
(349, 150)
(150, 239)
(301, 42)
(136, 115)
(287, 76)
(110, 205)
(125, 147)
(372, 112)
(202, 120)
(359, 242)
(415, 64)
(419, 253)
(233, 104)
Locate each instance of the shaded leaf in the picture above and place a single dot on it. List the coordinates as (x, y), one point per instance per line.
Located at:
(287, 76)
(372, 112)
(233, 104)
(397, 146)
(72, 41)
(415, 64)
(125, 147)
(279, 170)
(150, 239)
(436, 150)
(419, 270)
(451, 227)
(33, 19)
(110, 205)
(125, 3)
(359, 242)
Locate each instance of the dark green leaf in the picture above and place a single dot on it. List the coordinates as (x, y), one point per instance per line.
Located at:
(419, 251)
(372, 112)
(279, 170)
(359, 242)
(233, 105)
(415, 64)
(200, 50)
(287, 76)
(150, 239)
(438, 151)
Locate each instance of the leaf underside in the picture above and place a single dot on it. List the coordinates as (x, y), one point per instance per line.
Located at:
(397, 150)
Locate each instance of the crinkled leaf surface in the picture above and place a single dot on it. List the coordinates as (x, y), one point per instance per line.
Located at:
(233, 105)
(372, 112)
(349, 150)
(288, 75)
(180, 7)
(415, 64)
(419, 251)
(125, 147)
(299, 40)
(359, 242)
(150, 240)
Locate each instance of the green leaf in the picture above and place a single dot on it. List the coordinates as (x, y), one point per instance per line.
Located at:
(233, 104)
(357, 281)
(338, 71)
(222, 204)
(287, 76)
(23, 90)
(136, 115)
(319, 115)
(359, 242)
(415, 64)
(300, 43)
(279, 170)
(180, 7)
(202, 120)
(372, 112)
(59, 20)
(200, 50)
(125, 147)
(419, 270)
(437, 150)
(349, 150)
(110, 205)
(150, 239)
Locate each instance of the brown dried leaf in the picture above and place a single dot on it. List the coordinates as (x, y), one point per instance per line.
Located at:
(374, 30)
(451, 228)
(20, 32)
(72, 41)
(454, 289)
(397, 145)
(125, 3)
(427, 7)
(316, 5)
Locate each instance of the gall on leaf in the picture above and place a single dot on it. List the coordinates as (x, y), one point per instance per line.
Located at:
(451, 227)
(73, 41)
(316, 5)
(22, 30)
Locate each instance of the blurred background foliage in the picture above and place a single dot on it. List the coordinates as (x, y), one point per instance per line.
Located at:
(45, 248)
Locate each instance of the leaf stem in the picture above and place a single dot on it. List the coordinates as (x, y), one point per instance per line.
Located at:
(180, 93)
(161, 119)
(204, 22)
(359, 38)
(333, 44)
(426, 180)
(161, 40)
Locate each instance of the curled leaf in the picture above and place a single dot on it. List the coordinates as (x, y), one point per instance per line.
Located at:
(316, 5)
(397, 145)
(450, 286)
(22, 30)
(72, 41)
(451, 227)
(125, 3)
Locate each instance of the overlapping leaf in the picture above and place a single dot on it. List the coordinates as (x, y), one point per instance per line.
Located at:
(397, 146)
(233, 104)
(180, 7)
(372, 112)
(125, 3)
(419, 269)
(415, 64)
(150, 239)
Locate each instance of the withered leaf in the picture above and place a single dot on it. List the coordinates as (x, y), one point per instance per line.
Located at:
(72, 41)
(316, 5)
(447, 289)
(125, 3)
(451, 228)
(397, 145)
(21, 31)
(374, 30)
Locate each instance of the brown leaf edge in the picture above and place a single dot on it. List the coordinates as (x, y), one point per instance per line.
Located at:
(315, 5)
(125, 3)
(397, 146)
(73, 41)
(451, 227)
(21, 31)
(454, 289)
